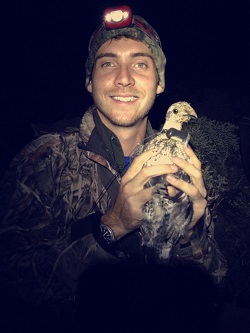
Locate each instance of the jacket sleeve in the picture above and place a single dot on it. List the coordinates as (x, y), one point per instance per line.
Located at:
(203, 250)
(39, 260)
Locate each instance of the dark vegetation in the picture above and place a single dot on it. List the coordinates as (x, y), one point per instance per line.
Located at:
(218, 147)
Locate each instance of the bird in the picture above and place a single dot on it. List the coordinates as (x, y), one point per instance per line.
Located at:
(166, 217)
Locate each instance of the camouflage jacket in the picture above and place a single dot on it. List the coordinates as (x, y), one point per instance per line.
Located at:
(50, 197)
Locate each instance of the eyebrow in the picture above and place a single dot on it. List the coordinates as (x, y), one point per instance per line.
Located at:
(114, 55)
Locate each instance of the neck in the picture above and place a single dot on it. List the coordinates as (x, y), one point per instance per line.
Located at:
(130, 138)
(172, 124)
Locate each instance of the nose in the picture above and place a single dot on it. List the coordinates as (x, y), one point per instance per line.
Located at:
(124, 76)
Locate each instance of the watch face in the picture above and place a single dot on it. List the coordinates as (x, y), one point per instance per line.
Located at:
(107, 234)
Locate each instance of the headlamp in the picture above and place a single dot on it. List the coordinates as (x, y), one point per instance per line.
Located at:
(121, 17)
(119, 21)
(118, 17)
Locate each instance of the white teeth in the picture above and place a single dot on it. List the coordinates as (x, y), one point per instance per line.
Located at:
(124, 99)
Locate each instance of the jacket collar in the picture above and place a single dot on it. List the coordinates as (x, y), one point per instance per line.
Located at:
(97, 138)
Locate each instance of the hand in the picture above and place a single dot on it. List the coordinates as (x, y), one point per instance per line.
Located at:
(127, 214)
(195, 190)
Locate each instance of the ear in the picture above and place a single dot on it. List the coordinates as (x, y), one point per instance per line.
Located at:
(89, 87)
(159, 90)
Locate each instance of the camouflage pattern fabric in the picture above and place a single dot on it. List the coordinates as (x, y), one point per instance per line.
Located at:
(51, 184)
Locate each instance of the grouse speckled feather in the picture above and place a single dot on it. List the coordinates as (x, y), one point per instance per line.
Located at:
(165, 217)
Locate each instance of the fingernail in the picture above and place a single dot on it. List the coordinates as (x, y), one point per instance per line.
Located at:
(171, 178)
(173, 167)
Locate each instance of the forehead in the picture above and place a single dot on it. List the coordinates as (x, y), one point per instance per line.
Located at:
(123, 44)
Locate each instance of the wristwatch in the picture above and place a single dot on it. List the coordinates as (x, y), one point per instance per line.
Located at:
(107, 234)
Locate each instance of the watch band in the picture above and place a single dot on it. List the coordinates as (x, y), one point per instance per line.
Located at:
(103, 234)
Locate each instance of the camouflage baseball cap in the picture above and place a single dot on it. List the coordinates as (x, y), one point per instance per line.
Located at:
(137, 28)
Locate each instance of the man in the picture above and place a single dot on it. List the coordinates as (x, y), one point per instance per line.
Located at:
(70, 201)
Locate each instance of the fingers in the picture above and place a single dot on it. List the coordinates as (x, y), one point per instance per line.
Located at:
(196, 162)
(193, 170)
(196, 189)
(189, 189)
(199, 201)
(172, 191)
(190, 169)
(141, 175)
(137, 164)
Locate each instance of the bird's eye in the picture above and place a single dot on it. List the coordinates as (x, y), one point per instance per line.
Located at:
(175, 111)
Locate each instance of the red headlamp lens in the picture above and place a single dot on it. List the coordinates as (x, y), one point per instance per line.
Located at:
(121, 17)
(117, 17)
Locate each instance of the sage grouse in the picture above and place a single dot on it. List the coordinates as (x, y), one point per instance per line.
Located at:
(165, 217)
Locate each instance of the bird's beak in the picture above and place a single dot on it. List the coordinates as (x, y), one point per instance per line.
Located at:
(192, 116)
(189, 116)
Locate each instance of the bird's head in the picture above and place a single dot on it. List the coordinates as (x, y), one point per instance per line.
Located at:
(179, 113)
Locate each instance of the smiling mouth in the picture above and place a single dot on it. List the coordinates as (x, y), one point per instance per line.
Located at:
(124, 99)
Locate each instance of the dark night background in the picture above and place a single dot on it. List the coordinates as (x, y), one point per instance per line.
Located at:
(44, 48)
(43, 52)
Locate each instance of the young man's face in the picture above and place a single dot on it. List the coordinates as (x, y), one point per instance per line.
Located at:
(124, 82)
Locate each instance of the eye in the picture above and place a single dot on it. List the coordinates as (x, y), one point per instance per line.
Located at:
(141, 65)
(107, 64)
(175, 111)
